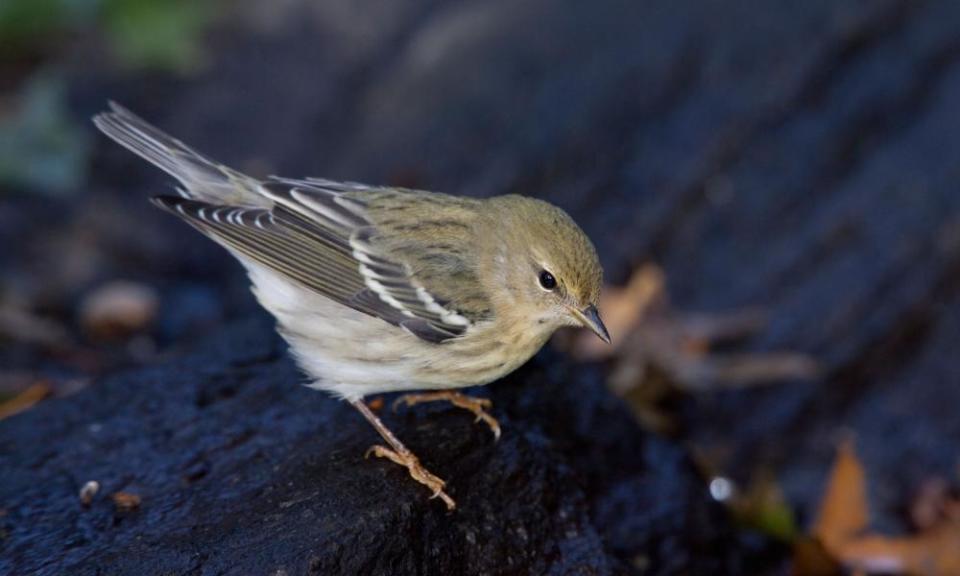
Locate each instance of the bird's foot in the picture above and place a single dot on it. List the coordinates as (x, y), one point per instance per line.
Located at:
(410, 461)
(478, 406)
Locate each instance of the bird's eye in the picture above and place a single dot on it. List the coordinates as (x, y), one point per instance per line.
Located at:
(547, 281)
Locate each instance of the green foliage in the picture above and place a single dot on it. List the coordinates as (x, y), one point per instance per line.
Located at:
(30, 25)
(41, 147)
(22, 22)
(157, 33)
(164, 34)
(763, 508)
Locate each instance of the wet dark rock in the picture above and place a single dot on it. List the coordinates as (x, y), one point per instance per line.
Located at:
(793, 156)
(239, 469)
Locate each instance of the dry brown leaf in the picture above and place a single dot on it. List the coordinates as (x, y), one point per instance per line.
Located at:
(746, 370)
(934, 552)
(843, 514)
(644, 330)
(30, 396)
(811, 559)
(126, 501)
(727, 326)
(657, 351)
(843, 510)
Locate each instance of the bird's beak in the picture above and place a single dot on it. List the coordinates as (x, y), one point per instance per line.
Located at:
(590, 318)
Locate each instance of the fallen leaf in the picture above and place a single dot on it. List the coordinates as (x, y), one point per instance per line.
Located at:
(843, 510)
(725, 327)
(811, 559)
(645, 330)
(657, 352)
(934, 551)
(745, 370)
(24, 400)
(125, 501)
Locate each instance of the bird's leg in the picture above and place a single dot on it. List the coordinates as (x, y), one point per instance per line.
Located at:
(402, 456)
(478, 406)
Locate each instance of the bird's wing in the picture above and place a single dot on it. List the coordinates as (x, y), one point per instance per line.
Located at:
(320, 234)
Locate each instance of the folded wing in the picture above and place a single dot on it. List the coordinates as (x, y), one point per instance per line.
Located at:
(320, 237)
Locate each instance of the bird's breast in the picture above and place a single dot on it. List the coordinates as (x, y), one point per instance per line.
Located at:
(492, 350)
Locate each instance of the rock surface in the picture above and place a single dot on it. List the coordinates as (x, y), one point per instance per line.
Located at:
(240, 470)
(794, 156)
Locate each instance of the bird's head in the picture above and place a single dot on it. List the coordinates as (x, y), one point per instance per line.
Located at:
(541, 266)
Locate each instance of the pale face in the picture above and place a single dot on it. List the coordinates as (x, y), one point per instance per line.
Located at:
(540, 265)
(555, 299)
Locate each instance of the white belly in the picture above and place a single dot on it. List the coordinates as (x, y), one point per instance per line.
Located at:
(351, 354)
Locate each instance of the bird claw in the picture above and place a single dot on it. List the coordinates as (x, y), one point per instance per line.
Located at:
(484, 403)
(477, 406)
(490, 421)
(416, 470)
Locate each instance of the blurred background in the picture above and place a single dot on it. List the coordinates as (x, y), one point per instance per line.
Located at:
(773, 188)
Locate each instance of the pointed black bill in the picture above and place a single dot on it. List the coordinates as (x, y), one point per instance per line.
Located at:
(591, 319)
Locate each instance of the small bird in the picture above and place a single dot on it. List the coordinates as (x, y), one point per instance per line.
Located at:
(380, 289)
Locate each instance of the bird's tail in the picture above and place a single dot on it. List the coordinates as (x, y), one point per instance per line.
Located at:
(201, 178)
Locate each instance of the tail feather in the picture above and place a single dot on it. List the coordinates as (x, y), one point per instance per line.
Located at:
(202, 178)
